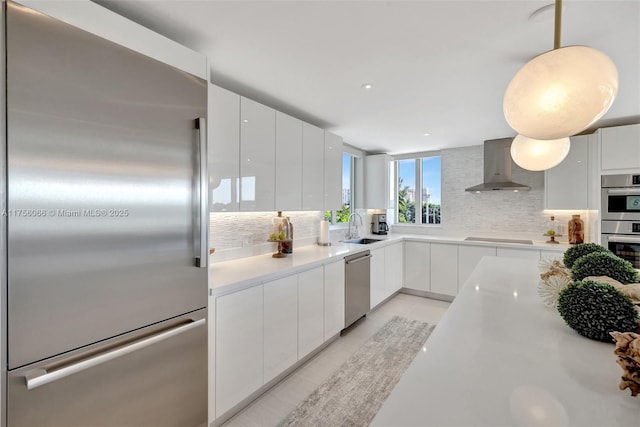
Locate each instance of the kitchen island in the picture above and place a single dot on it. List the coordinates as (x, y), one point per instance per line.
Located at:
(499, 357)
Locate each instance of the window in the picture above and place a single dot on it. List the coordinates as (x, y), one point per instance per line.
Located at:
(419, 185)
(342, 215)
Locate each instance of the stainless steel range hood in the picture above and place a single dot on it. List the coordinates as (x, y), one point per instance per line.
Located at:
(497, 168)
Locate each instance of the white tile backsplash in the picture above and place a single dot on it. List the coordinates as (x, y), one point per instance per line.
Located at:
(242, 234)
(491, 210)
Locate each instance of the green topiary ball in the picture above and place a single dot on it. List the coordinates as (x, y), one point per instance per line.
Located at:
(594, 309)
(575, 252)
(604, 264)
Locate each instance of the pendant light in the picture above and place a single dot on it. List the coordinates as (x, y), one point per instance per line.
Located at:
(561, 92)
(539, 154)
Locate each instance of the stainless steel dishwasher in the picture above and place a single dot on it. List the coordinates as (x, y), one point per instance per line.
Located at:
(357, 287)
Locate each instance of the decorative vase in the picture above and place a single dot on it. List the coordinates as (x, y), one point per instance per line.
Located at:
(576, 230)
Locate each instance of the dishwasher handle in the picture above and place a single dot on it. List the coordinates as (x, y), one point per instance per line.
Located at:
(353, 261)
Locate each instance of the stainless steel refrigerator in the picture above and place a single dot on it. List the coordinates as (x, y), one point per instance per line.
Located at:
(105, 232)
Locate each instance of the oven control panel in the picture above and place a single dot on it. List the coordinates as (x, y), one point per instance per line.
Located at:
(636, 179)
(635, 227)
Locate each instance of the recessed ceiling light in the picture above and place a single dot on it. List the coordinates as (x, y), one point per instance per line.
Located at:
(426, 134)
(366, 86)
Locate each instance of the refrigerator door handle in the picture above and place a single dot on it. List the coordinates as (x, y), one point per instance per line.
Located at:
(203, 250)
(40, 376)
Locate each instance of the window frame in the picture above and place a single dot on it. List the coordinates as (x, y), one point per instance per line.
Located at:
(352, 167)
(419, 185)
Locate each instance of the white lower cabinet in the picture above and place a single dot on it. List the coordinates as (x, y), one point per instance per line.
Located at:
(417, 273)
(444, 268)
(280, 326)
(468, 259)
(393, 268)
(310, 310)
(239, 337)
(261, 331)
(376, 281)
(519, 253)
(333, 299)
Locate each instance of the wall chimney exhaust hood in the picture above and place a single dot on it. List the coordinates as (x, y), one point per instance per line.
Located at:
(497, 168)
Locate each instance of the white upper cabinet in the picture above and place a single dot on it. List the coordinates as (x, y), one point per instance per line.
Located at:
(257, 156)
(224, 149)
(377, 173)
(288, 163)
(620, 149)
(332, 171)
(312, 167)
(566, 186)
(262, 160)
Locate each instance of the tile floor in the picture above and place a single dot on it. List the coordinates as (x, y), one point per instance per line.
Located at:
(270, 408)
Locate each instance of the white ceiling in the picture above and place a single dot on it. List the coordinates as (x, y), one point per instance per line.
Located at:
(437, 66)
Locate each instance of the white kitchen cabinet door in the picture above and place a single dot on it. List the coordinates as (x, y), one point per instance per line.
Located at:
(566, 186)
(519, 253)
(444, 269)
(257, 156)
(312, 168)
(468, 259)
(376, 269)
(377, 171)
(288, 163)
(224, 149)
(620, 147)
(239, 356)
(333, 299)
(417, 272)
(332, 171)
(310, 310)
(280, 326)
(393, 268)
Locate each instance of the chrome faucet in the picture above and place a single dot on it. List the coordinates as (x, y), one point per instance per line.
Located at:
(355, 234)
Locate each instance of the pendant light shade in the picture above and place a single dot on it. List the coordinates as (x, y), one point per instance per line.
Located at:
(537, 155)
(561, 92)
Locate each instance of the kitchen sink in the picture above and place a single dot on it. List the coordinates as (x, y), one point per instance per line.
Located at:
(363, 241)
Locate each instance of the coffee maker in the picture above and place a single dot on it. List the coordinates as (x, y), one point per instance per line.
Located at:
(379, 224)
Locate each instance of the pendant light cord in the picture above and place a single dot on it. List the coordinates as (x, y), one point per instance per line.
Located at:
(557, 29)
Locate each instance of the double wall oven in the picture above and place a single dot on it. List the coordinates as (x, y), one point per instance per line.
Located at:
(621, 216)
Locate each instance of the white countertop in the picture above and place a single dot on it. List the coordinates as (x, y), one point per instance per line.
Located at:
(499, 357)
(234, 275)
